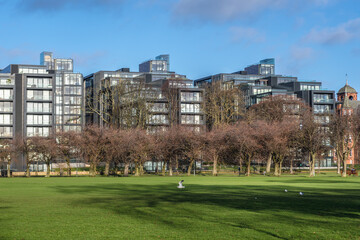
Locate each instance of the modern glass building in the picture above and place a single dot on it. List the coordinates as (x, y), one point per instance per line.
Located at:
(38, 100)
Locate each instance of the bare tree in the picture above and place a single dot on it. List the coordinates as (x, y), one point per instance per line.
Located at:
(312, 139)
(90, 143)
(215, 146)
(23, 147)
(344, 135)
(66, 141)
(6, 153)
(45, 149)
(224, 103)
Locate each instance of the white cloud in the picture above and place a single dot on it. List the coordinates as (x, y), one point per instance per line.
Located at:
(334, 35)
(239, 34)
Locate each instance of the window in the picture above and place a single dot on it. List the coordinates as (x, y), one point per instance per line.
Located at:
(321, 108)
(158, 119)
(33, 82)
(6, 81)
(6, 119)
(6, 106)
(72, 100)
(38, 119)
(6, 94)
(72, 90)
(38, 131)
(38, 107)
(72, 120)
(6, 131)
(190, 108)
(191, 119)
(159, 107)
(39, 95)
(190, 96)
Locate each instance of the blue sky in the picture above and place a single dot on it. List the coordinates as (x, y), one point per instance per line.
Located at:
(311, 39)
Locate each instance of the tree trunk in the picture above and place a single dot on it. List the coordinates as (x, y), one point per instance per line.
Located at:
(126, 170)
(27, 169)
(240, 166)
(248, 167)
(338, 166)
(47, 169)
(141, 169)
(170, 171)
(318, 171)
(177, 165)
(278, 166)
(312, 165)
(344, 168)
(107, 168)
(163, 170)
(268, 164)
(137, 173)
(8, 168)
(214, 172)
(190, 167)
(291, 166)
(68, 166)
(91, 170)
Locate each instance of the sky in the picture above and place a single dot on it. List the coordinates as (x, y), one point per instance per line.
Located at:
(310, 39)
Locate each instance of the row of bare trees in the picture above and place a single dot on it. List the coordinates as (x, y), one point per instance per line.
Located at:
(275, 132)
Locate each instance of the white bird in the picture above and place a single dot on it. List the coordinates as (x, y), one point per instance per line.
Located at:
(285, 190)
(301, 193)
(180, 184)
(255, 197)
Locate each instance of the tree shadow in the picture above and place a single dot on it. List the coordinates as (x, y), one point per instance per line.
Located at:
(135, 200)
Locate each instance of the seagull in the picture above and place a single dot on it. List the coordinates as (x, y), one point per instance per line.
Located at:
(285, 190)
(180, 184)
(301, 193)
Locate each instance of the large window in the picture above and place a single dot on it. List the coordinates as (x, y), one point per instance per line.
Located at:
(39, 95)
(159, 107)
(38, 131)
(158, 119)
(72, 120)
(6, 81)
(72, 79)
(190, 96)
(72, 90)
(39, 82)
(309, 87)
(322, 108)
(190, 108)
(323, 98)
(38, 119)
(39, 107)
(6, 119)
(32, 70)
(6, 94)
(6, 131)
(191, 119)
(72, 100)
(6, 106)
(72, 128)
(72, 110)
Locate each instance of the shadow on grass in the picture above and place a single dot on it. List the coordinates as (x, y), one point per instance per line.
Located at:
(166, 203)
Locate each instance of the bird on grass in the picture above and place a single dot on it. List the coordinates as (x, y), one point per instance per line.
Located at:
(180, 184)
(301, 193)
(286, 190)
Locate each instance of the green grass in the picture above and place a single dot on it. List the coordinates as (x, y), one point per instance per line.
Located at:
(226, 207)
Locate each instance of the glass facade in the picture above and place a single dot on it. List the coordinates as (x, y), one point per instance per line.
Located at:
(6, 132)
(6, 94)
(6, 107)
(309, 87)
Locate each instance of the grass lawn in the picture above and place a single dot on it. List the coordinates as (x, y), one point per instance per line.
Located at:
(151, 207)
